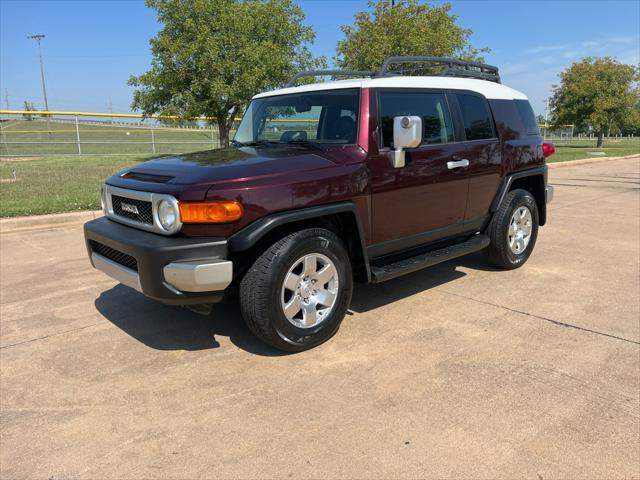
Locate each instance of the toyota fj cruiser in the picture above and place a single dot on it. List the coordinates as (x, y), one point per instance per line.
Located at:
(362, 179)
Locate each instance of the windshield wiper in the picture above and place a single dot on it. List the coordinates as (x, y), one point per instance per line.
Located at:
(254, 143)
(301, 141)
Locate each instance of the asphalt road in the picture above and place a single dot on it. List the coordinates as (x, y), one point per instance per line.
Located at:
(458, 371)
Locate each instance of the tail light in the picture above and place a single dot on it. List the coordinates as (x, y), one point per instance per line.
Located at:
(548, 149)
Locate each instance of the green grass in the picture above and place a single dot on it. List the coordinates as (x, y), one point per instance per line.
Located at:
(578, 149)
(54, 184)
(126, 136)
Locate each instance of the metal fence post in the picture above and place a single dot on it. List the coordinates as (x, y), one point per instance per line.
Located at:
(153, 141)
(78, 136)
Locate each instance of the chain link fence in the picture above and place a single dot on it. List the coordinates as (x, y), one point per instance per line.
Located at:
(63, 133)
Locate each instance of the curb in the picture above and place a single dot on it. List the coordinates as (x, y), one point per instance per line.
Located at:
(20, 224)
(586, 161)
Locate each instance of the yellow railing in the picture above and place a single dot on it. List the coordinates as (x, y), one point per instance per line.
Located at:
(97, 114)
(130, 115)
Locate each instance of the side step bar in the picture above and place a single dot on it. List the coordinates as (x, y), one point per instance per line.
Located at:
(412, 264)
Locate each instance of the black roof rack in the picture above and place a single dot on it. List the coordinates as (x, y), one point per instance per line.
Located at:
(335, 73)
(453, 67)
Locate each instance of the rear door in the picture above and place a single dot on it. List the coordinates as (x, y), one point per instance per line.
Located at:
(425, 200)
(484, 154)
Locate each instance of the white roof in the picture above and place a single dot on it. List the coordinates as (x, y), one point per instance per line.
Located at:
(490, 90)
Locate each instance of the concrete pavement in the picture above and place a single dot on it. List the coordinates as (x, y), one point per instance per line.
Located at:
(457, 371)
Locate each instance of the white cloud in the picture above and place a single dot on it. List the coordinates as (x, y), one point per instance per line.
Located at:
(544, 49)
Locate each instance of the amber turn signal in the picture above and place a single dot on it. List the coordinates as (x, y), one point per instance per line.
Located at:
(210, 212)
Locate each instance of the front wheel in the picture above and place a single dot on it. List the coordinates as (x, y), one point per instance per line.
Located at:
(297, 292)
(513, 230)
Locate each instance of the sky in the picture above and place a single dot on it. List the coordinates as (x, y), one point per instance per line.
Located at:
(92, 47)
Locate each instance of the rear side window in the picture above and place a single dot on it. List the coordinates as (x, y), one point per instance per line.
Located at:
(431, 107)
(476, 117)
(527, 117)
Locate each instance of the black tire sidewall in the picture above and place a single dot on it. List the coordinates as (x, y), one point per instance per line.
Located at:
(309, 241)
(520, 198)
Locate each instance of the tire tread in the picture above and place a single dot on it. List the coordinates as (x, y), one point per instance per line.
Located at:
(255, 291)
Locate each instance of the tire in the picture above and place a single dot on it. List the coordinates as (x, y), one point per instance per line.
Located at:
(507, 249)
(264, 295)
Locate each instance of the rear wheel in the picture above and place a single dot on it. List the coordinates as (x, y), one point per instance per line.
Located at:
(297, 292)
(513, 230)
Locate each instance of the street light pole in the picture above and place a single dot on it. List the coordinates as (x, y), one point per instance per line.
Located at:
(38, 38)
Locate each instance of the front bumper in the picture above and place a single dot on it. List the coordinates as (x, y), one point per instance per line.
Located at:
(177, 271)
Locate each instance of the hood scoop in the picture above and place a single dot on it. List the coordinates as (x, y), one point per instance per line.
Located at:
(147, 177)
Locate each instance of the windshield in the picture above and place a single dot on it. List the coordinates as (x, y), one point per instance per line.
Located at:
(323, 117)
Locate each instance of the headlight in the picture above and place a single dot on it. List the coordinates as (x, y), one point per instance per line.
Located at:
(168, 215)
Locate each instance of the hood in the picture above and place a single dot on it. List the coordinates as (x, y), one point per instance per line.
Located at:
(200, 170)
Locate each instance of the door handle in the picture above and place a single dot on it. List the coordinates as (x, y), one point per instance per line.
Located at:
(458, 164)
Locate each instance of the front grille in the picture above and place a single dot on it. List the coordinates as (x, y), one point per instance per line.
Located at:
(114, 255)
(127, 208)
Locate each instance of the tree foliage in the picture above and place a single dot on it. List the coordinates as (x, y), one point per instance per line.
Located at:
(408, 28)
(212, 56)
(598, 92)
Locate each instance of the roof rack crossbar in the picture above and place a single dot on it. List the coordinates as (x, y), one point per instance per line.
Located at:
(335, 73)
(454, 67)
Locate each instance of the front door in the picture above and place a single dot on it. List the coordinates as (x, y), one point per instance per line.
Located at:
(426, 199)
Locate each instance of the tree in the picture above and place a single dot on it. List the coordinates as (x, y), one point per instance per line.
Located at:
(596, 92)
(212, 56)
(408, 28)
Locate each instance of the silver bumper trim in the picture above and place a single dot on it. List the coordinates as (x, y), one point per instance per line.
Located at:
(549, 190)
(199, 275)
(124, 275)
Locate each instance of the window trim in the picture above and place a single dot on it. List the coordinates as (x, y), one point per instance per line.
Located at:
(492, 122)
(443, 92)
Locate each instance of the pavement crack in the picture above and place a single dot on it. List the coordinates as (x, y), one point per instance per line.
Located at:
(50, 335)
(546, 319)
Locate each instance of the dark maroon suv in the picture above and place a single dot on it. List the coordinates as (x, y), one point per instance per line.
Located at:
(329, 183)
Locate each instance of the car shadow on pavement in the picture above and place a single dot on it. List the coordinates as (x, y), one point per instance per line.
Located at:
(375, 295)
(164, 327)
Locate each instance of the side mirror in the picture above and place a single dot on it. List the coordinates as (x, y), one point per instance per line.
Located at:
(407, 133)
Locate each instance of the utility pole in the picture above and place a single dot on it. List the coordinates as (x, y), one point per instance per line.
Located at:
(546, 111)
(38, 38)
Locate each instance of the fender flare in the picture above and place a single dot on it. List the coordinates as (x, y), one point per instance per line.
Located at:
(251, 234)
(505, 186)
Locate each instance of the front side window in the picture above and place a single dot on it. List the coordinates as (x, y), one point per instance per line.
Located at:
(431, 107)
(326, 117)
(475, 116)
